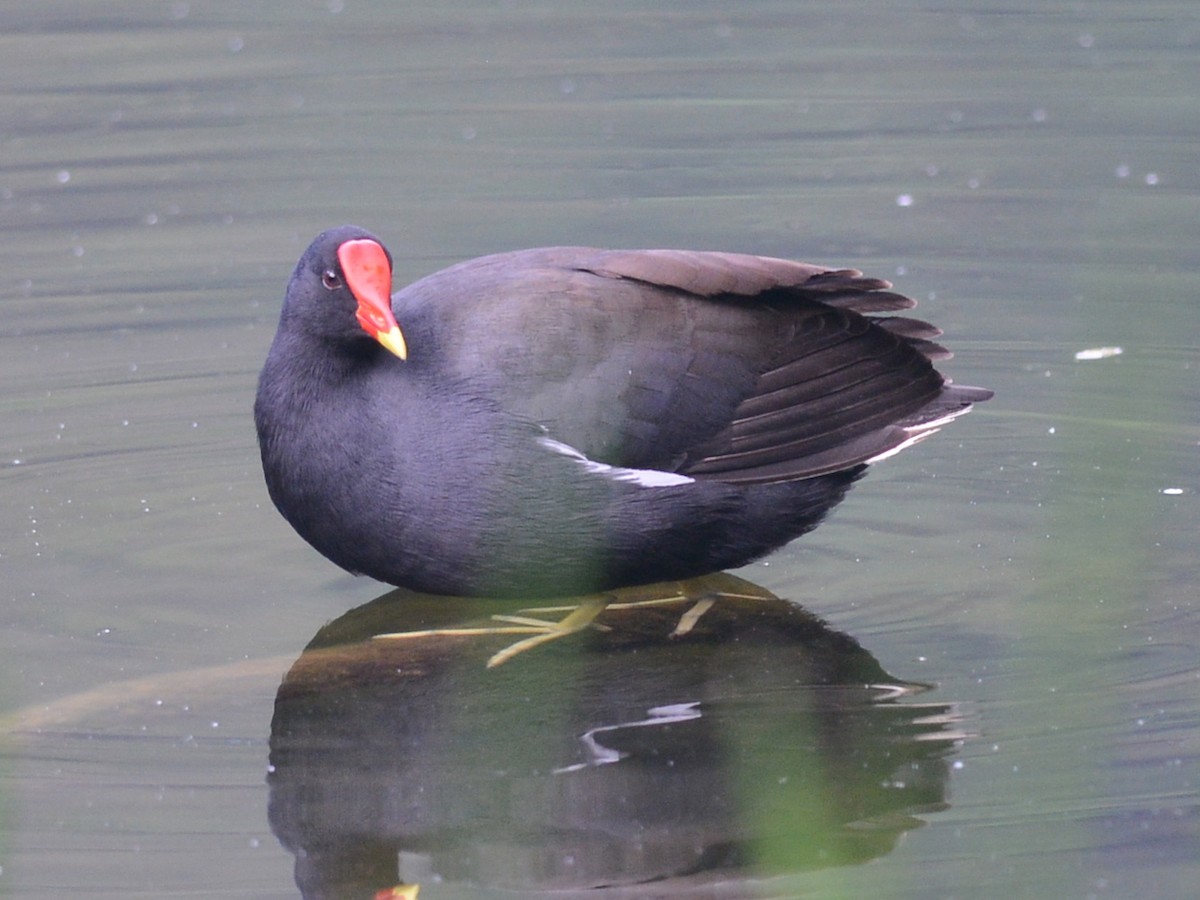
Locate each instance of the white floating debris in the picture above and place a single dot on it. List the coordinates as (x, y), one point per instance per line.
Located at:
(1099, 353)
(1171, 492)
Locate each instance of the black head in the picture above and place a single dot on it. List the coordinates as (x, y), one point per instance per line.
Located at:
(339, 291)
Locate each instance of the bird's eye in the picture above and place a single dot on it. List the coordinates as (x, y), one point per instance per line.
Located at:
(331, 280)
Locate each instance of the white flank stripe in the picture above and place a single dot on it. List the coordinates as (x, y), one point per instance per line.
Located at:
(644, 477)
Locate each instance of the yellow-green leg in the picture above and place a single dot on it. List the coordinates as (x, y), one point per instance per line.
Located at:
(584, 613)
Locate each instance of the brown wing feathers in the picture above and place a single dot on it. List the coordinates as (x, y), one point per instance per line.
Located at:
(842, 388)
(703, 274)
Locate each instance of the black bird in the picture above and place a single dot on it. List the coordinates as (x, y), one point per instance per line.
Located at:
(568, 420)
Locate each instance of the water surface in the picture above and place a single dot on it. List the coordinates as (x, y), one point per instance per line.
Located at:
(1029, 172)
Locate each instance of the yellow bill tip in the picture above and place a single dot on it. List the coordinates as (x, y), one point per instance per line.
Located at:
(393, 340)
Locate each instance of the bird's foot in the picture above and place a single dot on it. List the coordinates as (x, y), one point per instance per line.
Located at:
(701, 593)
(698, 592)
(579, 616)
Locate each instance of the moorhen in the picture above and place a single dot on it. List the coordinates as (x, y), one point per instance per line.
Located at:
(570, 420)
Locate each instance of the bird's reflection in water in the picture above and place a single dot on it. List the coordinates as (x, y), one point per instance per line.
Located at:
(629, 757)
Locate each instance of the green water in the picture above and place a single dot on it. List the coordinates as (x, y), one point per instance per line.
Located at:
(1028, 171)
